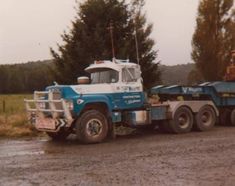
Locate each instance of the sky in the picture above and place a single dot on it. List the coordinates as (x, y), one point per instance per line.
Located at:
(28, 28)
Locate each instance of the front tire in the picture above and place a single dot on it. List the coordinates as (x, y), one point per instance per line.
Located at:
(92, 127)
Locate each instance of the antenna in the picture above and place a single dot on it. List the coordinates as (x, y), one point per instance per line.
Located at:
(137, 47)
(110, 28)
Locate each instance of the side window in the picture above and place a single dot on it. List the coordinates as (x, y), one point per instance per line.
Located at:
(128, 75)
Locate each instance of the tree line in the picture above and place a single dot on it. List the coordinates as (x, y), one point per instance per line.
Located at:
(25, 78)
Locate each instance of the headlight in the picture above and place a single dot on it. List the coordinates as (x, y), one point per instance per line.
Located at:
(69, 105)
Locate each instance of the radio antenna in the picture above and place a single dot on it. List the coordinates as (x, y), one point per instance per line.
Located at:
(110, 28)
(137, 47)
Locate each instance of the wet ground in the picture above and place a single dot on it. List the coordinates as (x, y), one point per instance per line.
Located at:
(140, 159)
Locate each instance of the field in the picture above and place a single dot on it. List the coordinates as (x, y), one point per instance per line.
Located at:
(13, 118)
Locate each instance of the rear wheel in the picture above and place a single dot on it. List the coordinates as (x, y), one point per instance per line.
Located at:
(60, 135)
(92, 127)
(182, 121)
(205, 118)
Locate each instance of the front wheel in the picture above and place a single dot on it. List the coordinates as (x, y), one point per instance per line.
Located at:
(92, 127)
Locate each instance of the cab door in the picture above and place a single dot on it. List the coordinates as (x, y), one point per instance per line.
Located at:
(131, 95)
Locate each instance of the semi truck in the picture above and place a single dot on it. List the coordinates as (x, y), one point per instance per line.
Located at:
(113, 95)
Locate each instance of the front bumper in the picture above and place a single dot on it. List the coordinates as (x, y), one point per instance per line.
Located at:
(53, 116)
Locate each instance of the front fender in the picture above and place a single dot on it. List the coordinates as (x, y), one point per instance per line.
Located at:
(81, 102)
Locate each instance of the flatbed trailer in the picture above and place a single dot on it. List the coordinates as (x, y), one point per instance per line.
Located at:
(221, 93)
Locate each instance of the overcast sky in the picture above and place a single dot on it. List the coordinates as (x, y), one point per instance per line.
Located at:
(28, 28)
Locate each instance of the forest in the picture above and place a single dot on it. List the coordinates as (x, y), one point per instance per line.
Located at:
(25, 78)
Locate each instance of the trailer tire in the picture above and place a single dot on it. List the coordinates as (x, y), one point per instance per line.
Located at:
(182, 121)
(225, 117)
(205, 119)
(60, 135)
(92, 127)
(232, 117)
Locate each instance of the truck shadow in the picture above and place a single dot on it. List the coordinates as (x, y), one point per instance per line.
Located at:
(123, 136)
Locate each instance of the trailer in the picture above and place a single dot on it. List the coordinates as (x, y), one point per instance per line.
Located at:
(113, 95)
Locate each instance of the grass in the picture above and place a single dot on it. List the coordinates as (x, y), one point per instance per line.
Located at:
(13, 118)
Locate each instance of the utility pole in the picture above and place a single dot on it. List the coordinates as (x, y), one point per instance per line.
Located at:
(110, 28)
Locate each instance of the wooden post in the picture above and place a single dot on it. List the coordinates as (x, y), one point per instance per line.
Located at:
(4, 106)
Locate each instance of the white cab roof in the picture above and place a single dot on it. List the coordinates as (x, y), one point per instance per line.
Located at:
(117, 65)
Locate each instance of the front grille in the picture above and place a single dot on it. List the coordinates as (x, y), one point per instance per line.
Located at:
(56, 95)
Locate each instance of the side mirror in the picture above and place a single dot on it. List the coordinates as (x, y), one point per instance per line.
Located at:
(83, 80)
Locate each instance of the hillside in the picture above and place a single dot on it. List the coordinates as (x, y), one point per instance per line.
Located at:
(177, 74)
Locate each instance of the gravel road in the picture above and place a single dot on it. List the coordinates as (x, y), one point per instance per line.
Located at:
(139, 159)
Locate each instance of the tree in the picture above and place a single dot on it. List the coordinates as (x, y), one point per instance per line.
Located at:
(89, 39)
(194, 77)
(213, 39)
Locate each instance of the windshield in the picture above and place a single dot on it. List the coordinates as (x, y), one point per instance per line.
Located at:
(104, 76)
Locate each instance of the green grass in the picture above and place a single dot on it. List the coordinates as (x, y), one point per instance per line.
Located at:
(13, 103)
(13, 117)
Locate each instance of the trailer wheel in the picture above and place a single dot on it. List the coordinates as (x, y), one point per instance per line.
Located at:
(92, 127)
(182, 121)
(205, 118)
(232, 117)
(225, 117)
(60, 135)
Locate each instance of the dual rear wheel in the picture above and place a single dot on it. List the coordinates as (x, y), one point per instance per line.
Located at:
(183, 120)
(227, 117)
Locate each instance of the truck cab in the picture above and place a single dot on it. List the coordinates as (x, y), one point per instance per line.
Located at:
(120, 82)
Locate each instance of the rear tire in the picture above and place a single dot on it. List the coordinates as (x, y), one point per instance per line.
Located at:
(182, 121)
(205, 118)
(92, 127)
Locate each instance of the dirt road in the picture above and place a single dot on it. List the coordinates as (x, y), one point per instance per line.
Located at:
(140, 159)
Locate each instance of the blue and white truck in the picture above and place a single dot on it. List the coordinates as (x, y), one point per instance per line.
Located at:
(113, 95)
